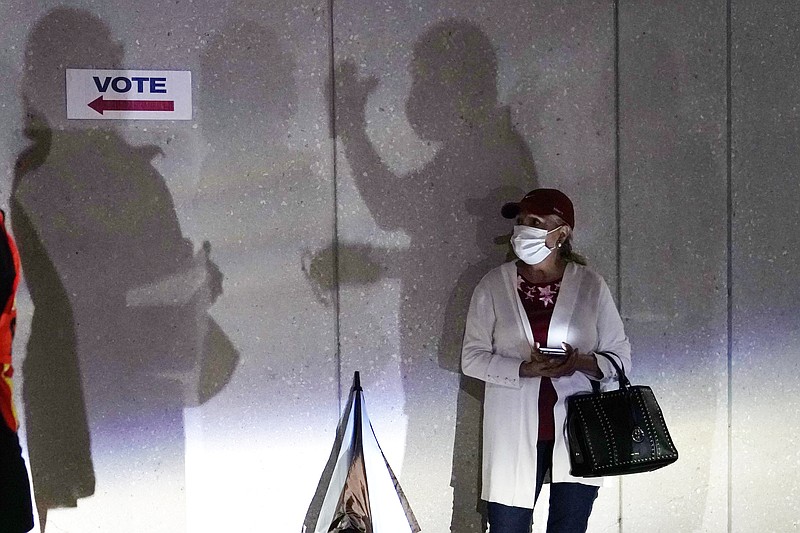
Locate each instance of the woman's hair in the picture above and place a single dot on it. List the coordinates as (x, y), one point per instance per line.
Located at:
(569, 255)
(565, 251)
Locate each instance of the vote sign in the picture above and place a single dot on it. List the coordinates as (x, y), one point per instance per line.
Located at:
(129, 94)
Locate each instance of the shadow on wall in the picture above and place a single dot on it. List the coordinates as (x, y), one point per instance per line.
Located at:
(450, 209)
(120, 320)
(247, 97)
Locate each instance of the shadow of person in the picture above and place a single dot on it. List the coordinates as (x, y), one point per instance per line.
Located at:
(468, 510)
(57, 431)
(120, 300)
(445, 208)
(247, 98)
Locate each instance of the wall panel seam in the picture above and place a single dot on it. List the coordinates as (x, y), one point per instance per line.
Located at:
(334, 169)
(617, 195)
(729, 246)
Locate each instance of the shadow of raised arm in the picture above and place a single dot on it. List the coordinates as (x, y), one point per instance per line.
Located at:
(372, 176)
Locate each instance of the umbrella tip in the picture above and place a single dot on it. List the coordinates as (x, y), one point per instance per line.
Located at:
(356, 381)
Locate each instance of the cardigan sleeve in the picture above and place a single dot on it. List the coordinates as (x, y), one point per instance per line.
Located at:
(611, 336)
(477, 357)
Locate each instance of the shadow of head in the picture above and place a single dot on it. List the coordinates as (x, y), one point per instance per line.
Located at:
(492, 231)
(64, 38)
(247, 78)
(454, 85)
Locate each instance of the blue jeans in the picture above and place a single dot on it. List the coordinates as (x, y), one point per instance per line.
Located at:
(570, 503)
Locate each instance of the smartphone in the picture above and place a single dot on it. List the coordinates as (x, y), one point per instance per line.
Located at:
(553, 352)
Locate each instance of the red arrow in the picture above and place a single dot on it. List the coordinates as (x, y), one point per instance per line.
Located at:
(100, 105)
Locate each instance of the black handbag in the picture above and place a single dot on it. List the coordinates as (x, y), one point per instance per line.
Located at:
(617, 432)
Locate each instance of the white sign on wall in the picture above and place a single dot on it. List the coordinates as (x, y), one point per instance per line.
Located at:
(129, 94)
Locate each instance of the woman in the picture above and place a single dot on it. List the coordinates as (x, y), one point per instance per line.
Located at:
(547, 298)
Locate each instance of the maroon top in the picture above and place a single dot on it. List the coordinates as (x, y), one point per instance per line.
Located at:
(539, 299)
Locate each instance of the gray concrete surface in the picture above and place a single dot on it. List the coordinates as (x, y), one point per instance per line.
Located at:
(673, 212)
(766, 299)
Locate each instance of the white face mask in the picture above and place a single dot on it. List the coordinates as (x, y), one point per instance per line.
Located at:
(529, 243)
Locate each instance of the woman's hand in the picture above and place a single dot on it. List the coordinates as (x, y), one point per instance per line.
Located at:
(542, 365)
(555, 367)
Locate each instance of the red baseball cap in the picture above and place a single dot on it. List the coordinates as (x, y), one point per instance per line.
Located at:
(543, 202)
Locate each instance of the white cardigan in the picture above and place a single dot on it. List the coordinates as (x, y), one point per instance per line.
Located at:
(498, 338)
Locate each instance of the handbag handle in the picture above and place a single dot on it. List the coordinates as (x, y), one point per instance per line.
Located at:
(624, 383)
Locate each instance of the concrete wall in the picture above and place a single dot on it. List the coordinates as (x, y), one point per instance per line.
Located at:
(674, 251)
(347, 167)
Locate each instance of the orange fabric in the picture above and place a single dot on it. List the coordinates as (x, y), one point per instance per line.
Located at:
(6, 393)
(8, 320)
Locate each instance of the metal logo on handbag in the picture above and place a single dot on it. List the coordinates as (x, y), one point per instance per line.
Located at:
(617, 432)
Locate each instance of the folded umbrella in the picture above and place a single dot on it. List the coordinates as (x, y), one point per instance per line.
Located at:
(362, 494)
